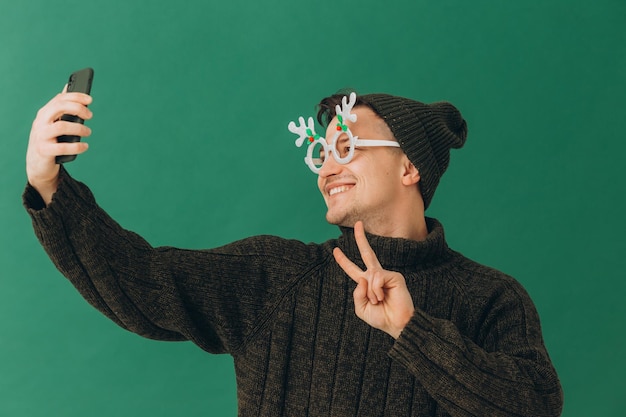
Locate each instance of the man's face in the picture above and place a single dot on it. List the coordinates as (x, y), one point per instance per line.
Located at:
(367, 187)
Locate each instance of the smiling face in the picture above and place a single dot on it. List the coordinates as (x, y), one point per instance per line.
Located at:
(368, 188)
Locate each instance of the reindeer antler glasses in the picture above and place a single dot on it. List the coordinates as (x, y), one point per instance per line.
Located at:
(343, 152)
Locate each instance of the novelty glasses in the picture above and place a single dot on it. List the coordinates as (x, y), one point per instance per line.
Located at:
(341, 149)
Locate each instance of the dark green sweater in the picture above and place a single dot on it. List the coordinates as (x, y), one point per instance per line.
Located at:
(284, 311)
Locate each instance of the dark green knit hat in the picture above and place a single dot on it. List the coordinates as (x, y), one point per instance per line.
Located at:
(426, 133)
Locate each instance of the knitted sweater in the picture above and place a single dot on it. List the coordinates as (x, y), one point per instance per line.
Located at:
(284, 310)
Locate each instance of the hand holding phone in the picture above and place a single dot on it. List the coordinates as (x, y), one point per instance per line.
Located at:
(79, 81)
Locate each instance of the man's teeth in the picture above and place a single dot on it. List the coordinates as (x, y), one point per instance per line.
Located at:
(336, 190)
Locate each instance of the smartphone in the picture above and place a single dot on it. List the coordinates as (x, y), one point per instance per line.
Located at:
(80, 81)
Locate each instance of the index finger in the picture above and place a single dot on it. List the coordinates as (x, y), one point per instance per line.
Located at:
(78, 97)
(82, 98)
(347, 265)
(367, 253)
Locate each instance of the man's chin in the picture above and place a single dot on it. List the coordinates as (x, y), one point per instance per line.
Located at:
(340, 220)
(332, 219)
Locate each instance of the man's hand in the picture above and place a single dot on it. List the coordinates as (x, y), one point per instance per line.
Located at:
(381, 297)
(41, 168)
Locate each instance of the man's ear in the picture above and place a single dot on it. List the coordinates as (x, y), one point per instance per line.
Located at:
(410, 174)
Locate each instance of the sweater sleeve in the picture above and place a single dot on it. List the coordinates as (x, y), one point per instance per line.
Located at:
(503, 371)
(215, 298)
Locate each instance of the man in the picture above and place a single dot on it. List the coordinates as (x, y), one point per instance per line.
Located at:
(418, 330)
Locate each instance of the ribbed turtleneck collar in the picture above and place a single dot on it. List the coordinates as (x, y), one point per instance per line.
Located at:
(394, 253)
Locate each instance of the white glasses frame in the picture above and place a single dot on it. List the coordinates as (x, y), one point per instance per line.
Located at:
(332, 149)
(306, 131)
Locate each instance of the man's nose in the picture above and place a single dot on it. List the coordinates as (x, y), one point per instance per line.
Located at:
(330, 166)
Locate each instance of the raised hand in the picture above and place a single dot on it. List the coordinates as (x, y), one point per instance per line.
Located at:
(381, 297)
(41, 168)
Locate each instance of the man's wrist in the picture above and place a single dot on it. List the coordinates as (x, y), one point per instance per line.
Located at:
(407, 317)
(46, 189)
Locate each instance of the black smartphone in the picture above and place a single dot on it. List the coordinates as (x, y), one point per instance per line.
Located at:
(80, 81)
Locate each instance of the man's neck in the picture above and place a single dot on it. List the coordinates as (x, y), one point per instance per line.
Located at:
(413, 230)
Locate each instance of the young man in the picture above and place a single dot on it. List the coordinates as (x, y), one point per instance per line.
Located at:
(418, 330)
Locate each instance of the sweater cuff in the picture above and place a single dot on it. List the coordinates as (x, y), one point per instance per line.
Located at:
(414, 335)
(32, 199)
(70, 196)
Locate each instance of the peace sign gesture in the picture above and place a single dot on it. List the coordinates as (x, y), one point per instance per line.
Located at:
(381, 297)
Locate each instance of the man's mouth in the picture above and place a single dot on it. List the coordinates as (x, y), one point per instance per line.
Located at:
(339, 189)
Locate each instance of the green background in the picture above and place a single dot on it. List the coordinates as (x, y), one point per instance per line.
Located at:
(190, 148)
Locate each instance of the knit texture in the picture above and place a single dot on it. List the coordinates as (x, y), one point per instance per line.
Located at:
(426, 133)
(284, 311)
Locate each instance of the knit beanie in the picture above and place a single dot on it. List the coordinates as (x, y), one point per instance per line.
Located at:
(426, 133)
